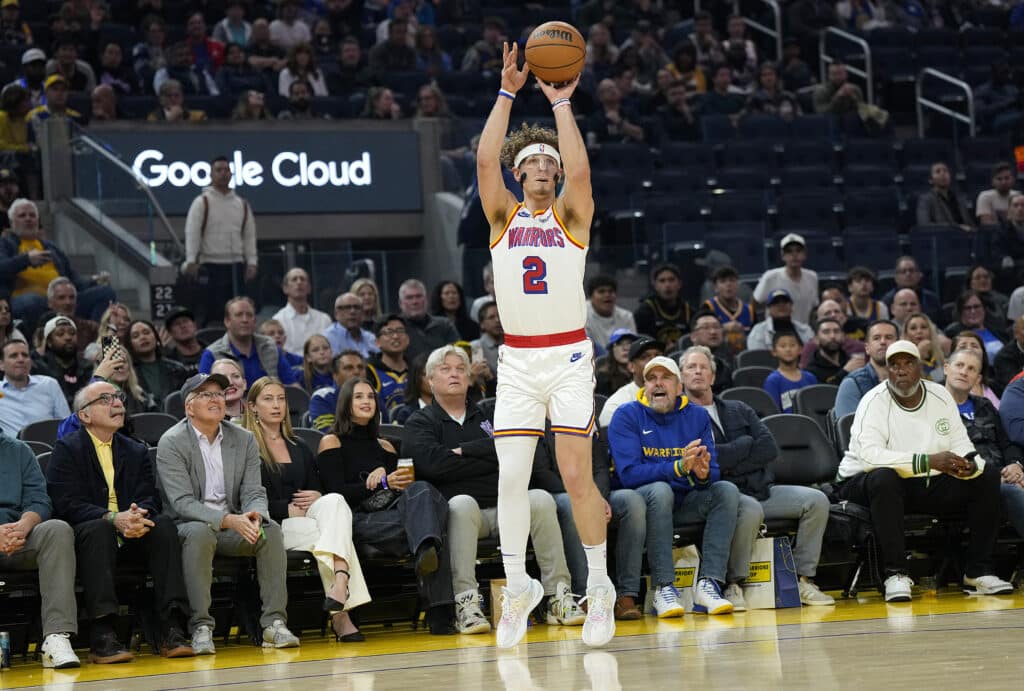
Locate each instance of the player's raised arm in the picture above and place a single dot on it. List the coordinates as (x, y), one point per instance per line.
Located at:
(494, 196)
(577, 200)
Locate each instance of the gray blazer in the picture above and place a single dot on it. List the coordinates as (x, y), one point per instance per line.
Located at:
(182, 475)
(931, 210)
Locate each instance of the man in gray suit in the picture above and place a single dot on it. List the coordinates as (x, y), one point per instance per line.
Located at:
(210, 483)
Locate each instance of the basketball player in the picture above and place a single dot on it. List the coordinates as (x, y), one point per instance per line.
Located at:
(545, 367)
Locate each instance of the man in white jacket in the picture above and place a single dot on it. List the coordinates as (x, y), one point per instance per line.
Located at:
(220, 244)
(909, 452)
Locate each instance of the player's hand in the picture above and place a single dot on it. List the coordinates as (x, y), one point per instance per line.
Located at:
(512, 77)
(561, 91)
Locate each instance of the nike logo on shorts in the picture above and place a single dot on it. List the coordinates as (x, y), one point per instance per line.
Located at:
(575, 356)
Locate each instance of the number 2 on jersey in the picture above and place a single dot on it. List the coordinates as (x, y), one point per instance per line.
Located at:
(534, 273)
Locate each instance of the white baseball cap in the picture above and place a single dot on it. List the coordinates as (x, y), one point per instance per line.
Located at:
(902, 346)
(662, 361)
(790, 239)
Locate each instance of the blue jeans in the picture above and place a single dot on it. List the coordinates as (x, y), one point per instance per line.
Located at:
(805, 504)
(1013, 505)
(642, 517)
(716, 507)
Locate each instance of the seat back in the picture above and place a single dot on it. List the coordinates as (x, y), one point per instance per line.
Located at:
(844, 426)
(308, 436)
(751, 376)
(39, 447)
(815, 402)
(149, 427)
(487, 405)
(298, 403)
(758, 399)
(41, 430)
(805, 454)
(758, 357)
(174, 404)
(44, 460)
(393, 433)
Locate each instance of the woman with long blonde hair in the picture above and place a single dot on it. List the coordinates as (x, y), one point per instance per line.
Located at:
(919, 330)
(311, 521)
(367, 291)
(234, 395)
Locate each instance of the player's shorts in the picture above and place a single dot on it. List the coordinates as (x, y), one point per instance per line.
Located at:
(555, 381)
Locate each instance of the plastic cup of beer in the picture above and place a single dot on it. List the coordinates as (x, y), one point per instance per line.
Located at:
(407, 464)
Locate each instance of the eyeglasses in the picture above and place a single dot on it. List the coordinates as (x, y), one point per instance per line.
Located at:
(107, 399)
(392, 332)
(210, 395)
(347, 307)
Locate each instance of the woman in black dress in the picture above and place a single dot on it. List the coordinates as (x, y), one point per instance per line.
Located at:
(355, 462)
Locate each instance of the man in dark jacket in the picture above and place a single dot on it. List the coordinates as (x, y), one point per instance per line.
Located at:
(426, 332)
(664, 314)
(452, 447)
(829, 361)
(59, 357)
(745, 449)
(1009, 361)
(102, 483)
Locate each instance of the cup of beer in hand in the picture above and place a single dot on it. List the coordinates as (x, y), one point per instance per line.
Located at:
(405, 465)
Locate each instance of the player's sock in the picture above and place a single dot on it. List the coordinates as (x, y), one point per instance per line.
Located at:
(515, 463)
(597, 564)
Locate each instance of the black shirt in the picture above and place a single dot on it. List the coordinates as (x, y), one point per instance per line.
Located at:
(289, 478)
(344, 470)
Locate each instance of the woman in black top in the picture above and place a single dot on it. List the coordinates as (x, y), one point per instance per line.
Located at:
(157, 374)
(355, 462)
(310, 520)
(449, 301)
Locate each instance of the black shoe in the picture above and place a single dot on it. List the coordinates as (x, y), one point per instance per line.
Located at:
(440, 620)
(426, 559)
(106, 649)
(175, 644)
(354, 637)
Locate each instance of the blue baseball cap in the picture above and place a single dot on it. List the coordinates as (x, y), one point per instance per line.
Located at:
(779, 294)
(619, 334)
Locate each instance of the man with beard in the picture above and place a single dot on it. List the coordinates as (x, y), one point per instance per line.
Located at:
(880, 336)
(664, 314)
(829, 362)
(59, 357)
(910, 453)
(183, 347)
(779, 318)
(300, 107)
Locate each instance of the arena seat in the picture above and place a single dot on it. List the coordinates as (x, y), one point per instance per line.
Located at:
(309, 436)
(758, 357)
(38, 447)
(751, 376)
(805, 455)
(149, 427)
(755, 397)
(815, 402)
(40, 430)
(174, 404)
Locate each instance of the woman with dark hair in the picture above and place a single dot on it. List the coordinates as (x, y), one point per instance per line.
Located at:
(392, 511)
(7, 330)
(972, 314)
(157, 375)
(15, 103)
(968, 340)
(381, 104)
(684, 67)
(448, 300)
(612, 370)
(311, 521)
(417, 390)
(430, 59)
(301, 66)
(979, 279)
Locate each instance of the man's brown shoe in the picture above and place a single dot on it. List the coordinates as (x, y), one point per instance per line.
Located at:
(626, 609)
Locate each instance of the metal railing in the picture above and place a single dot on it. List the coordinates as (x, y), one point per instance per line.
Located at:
(98, 148)
(923, 103)
(867, 74)
(774, 33)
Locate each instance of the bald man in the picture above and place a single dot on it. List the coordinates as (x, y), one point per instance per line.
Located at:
(852, 343)
(904, 303)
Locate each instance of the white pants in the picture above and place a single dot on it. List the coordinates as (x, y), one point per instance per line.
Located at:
(326, 531)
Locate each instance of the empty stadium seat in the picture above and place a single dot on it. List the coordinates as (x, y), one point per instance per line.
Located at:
(807, 152)
(942, 246)
(308, 436)
(815, 402)
(877, 153)
(805, 454)
(808, 211)
(676, 155)
(747, 155)
(755, 397)
(149, 427)
(174, 405)
(41, 430)
(730, 207)
(878, 207)
(717, 128)
(804, 179)
(751, 376)
(870, 246)
(745, 248)
(770, 127)
(39, 447)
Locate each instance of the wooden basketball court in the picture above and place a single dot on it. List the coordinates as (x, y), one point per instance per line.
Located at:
(939, 641)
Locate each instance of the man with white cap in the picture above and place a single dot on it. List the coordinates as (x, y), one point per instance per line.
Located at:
(910, 453)
(801, 283)
(33, 73)
(59, 356)
(660, 444)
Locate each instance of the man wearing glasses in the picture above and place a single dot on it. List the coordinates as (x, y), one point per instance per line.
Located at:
(347, 332)
(102, 483)
(210, 485)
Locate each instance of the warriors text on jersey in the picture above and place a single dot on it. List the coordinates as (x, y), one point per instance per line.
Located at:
(538, 275)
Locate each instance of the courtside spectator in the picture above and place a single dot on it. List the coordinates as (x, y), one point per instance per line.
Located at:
(324, 402)
(209, 479)
(881, 334)
(448, 300)
(800, 283)
(234, 395)
(484, 56)
(263, 54)
(62, 299)
(114, 73)
(171, 107)
(426, 333)
(27, 397)
(220, 242)
(289, 29)
(904, 303)
(390, 364)
(968, 340)
(679, 451)
(998, 100)
(788, 378)
(829, 362)
(723, 98)
(115, 321)
(709, 50)
(381, 105)
(56, 106)
(919, 330)
(207, 53)
(400, 10)
(347, 332)
(417, 392)
(487, 276)
(640, 353)
(860, 283)
(492, 335)
(150, 55)
(104, 104)
(613, 121)
(299, 319)
(258, 355)
(979, 279)
(910, 453)
(430, 58)
(300, 104)
(7, 330)
(275, 330)
(745, 448)
(252, 105)
(9, 190)
(603, 314)
(13, 30)
(58, 357)
(675, 120)
(941, 205)
(351, 72)
(908, 275)
(181, 345)
(770, 98)
(684, 68)
(664, 314)
(779, 317)
(992, 204)
(158, 376)
(1009, 242)
(301, 66)
(1009, 361)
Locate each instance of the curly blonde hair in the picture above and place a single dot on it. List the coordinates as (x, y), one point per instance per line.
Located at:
(518, 140)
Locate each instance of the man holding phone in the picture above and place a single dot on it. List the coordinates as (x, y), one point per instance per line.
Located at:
(910, 453)
(210, 485)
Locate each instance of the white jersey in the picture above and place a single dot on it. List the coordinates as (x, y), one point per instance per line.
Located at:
(538, 275)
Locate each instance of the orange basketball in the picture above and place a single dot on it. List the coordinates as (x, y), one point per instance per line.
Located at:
(556, 52)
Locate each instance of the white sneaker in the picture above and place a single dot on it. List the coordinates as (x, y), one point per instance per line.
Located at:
(202, 640)
(599, 628)
(57, 652)
(563, 608)
(987, 585)
(469, 618)
(515, 613)
(810, 594)
(897, 588)
(277, 635)
(666, 602)
(734, 594)
(707, 598)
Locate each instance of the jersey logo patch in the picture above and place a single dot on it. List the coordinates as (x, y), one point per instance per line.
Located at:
(575, 356)
(523, 214)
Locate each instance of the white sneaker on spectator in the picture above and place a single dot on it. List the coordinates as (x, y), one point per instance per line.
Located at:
(666, 602)
(897, 588)
(515, 613)
(810, 594)
(469, 618)
(707, 598)
(563, 608)
(57, 652)
(202, 640)
(277, 635)
(734, 594)
(987, 585)
(599, 628)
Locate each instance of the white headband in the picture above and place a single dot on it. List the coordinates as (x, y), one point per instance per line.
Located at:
(532, 149)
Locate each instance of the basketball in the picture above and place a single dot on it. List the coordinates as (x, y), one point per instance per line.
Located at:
(556, 52)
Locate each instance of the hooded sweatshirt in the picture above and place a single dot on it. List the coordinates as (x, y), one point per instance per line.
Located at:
(224, 240)
(645, 445)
